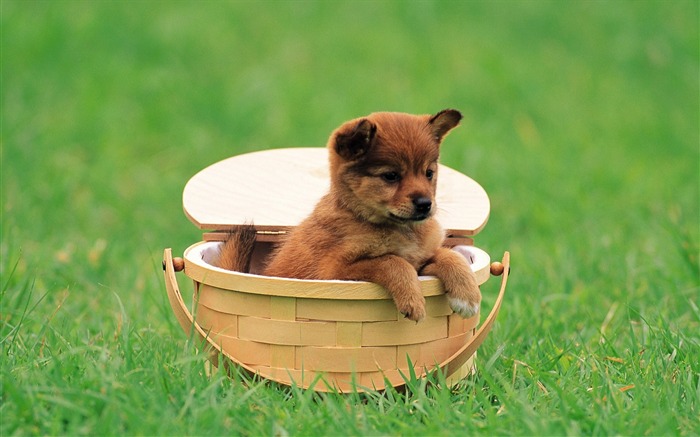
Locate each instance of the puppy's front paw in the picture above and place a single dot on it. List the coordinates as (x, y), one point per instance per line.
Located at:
(463, 307)
(412, 306)
(463, 293)
(458, 279)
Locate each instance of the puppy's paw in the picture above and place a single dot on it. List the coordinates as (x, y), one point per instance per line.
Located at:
(463, 307)
(412, 306)
(463, 293)
(458, 279)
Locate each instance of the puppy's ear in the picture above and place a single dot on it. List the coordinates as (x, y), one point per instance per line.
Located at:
(355, 141)
(443, 122)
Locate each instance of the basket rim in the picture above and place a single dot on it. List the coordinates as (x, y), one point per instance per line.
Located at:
(201, 271)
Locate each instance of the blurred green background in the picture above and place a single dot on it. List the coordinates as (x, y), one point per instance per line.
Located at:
(581, 119)
(581, 122)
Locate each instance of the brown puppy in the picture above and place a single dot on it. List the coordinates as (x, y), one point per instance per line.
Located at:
(376, 223)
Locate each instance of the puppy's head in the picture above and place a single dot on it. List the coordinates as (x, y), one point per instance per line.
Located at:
(384, 166)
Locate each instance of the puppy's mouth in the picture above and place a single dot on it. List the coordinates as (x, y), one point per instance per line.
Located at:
(419, 217)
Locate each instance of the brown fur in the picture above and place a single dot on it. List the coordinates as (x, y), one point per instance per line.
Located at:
(377, 221)
(236, 252)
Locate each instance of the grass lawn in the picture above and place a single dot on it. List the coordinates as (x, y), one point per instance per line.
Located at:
(581, 122)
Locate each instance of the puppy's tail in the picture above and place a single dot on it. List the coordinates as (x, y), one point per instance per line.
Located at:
(236, 252)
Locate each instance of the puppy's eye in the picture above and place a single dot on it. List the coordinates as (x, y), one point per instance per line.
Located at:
(391, 176)
(429, 174)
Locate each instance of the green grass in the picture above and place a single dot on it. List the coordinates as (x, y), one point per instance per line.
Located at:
(581, 121)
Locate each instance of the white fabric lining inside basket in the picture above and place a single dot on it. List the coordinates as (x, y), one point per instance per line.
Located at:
(203, 255)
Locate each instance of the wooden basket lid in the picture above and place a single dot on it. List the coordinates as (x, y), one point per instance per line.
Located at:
(276, 189)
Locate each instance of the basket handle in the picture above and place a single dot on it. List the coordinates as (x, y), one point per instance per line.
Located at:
(186, 319)
(457, 360)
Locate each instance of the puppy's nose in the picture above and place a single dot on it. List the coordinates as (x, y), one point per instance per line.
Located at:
(422, 204)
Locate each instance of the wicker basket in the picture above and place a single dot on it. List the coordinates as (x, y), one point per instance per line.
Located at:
(326, 335)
